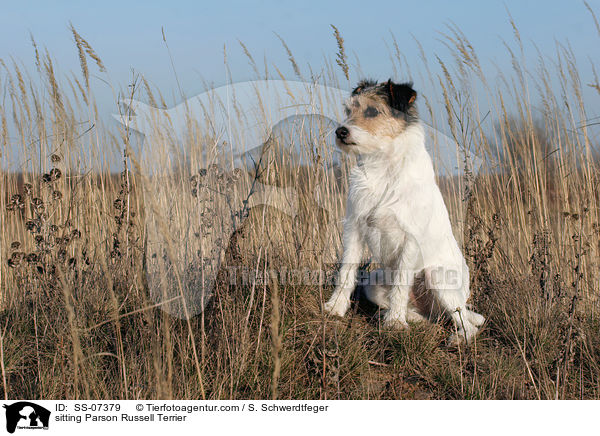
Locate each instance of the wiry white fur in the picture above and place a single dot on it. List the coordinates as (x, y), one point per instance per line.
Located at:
(396, 208)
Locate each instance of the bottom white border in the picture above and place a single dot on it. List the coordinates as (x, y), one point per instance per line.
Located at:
(296, 417)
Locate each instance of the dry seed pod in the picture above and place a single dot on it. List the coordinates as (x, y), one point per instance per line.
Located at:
(237, 174)
(32, 258)
(55, 173)
(31, 225)
(18, 255)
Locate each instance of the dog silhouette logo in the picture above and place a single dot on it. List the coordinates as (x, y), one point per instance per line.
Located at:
(26, 415)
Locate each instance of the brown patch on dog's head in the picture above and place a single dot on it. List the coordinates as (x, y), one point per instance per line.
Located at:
(382, 109)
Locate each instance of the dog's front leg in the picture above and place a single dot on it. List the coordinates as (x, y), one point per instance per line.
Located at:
(404, 278)
(339, 302)
(396, 315)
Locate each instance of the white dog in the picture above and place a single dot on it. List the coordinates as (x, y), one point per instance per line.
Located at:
(396, 208)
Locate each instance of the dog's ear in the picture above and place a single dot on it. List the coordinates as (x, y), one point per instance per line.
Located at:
(401, 96)
(366, 83)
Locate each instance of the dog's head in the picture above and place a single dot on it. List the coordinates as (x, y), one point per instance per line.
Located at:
(376, 114)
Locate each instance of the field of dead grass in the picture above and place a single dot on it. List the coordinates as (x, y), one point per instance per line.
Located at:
(77, 318)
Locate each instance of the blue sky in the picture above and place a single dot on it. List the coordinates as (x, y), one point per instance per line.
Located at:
(128, 34)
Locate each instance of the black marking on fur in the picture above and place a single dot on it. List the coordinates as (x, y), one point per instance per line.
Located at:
(362, 85)
(400, 96)
(371, 112)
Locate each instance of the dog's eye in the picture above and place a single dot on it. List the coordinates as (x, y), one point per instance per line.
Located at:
(347, 111)
(371, 112)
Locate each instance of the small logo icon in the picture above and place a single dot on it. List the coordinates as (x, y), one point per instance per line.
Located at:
(26, 415)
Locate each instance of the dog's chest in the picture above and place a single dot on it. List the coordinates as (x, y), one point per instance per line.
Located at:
(377, 213)
(373, 193)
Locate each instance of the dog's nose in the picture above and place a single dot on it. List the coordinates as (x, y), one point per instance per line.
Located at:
(341, 132)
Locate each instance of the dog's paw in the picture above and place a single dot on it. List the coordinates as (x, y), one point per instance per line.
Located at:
(463, 336)
(395, 322)
(414, 315)
(475, 318)
(336, 306)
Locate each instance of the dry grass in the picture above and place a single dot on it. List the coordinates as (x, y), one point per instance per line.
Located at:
(78, 319)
